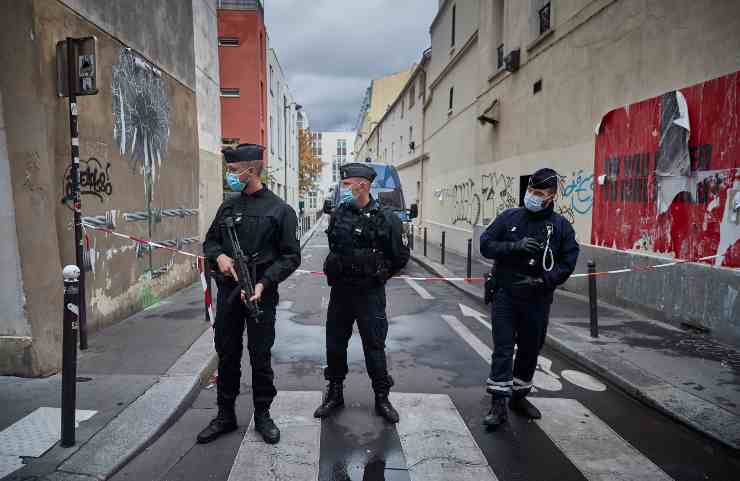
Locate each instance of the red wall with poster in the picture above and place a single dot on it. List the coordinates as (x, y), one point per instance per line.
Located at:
(632, 140)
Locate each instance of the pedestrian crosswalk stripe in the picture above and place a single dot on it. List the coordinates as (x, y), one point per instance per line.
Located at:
(598, 452)
(419, 290)
(436, 442)
(296, 456)
(462, 331)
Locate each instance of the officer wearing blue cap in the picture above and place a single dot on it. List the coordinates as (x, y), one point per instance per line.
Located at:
(535, 251)
(366, 248)
(266, 230)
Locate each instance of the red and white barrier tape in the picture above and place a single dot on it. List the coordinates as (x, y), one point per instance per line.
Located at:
(139, 240)
(207, 299)
(647, 268)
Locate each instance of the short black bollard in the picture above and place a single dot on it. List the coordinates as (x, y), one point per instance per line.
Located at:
(442, 260)
(470, 259)
(425, 241)
(71, 326)
(594, 314)
(411, 239)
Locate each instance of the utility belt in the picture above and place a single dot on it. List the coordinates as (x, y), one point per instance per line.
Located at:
(361, 267)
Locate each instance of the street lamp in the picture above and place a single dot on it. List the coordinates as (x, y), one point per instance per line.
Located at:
(285, 144)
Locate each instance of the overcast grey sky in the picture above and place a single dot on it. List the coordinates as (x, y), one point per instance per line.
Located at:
(331, 49)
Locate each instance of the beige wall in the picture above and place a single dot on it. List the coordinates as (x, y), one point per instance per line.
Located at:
(600, 55)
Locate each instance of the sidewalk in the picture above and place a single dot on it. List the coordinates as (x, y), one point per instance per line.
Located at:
(133, 382)
(687, 376)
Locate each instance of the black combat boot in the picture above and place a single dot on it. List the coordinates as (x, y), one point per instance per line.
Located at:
(384, 408)
(497, 415)
(333, 399)
(223, 423)
(264, 425)
(524, 408)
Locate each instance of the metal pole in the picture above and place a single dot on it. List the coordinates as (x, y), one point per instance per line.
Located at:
(425, 241)
(594, 314)
(443, 248)
(76, 197)
(69, 352)
(470, 259)
(411, 240)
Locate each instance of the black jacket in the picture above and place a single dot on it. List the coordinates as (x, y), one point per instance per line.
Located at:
(365, 245)
(514, 224)
(267, 230)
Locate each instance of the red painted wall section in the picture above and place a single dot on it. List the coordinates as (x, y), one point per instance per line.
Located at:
(243, 67)
(698, 221)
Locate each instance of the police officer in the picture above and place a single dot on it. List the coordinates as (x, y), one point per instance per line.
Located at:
(535, 250)
(366, 248)
(266, 230)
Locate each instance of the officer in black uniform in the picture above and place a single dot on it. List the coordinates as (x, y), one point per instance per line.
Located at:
(366, 248)
(266, 229)
(535, 250)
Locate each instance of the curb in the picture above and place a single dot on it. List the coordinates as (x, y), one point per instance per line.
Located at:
(308, 235)
(137, 426)
(705, 417)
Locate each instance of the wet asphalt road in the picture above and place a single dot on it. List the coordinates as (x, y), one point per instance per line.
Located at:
(425, 356)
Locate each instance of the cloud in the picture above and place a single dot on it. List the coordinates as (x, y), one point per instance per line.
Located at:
(331, 49)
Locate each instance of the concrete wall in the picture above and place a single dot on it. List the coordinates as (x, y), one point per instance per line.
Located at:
(694, 294)
(158, 30)
(158, 168)
(11, 291)
(205, 23)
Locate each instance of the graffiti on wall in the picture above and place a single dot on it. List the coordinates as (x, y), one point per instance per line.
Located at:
(474, 203)
(575, 195)
(498, 193)
(667, 169)
(95, 180)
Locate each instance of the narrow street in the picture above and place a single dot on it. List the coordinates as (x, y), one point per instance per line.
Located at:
(438, 347)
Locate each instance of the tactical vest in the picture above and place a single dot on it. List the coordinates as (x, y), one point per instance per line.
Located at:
(357, 239)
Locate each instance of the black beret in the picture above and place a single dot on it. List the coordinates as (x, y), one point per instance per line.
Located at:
(544, 179)
(243, 153)
(356, 169)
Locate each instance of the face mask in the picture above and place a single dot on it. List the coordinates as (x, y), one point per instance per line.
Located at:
(533, 203)
(346, 195)
(234, 183)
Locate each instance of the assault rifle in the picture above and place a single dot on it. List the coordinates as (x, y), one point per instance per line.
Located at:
(243, 271)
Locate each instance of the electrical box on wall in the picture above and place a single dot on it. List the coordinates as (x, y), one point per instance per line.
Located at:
(84, 61)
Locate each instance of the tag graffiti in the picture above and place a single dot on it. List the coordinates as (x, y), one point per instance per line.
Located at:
(94, 179)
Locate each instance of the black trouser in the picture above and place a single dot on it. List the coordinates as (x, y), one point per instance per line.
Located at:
(519, 319)
(367, 307)
(229, 327)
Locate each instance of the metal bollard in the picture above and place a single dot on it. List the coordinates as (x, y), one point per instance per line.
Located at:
(594, 314)
(442, 260)
(425, 241)
(411, 240)
(470, 259)
(71, 326)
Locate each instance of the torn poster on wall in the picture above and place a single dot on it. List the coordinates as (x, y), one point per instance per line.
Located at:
(668, 170)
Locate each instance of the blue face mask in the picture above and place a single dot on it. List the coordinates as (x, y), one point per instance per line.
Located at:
(533, 203)
(234, 183)
(346, 195)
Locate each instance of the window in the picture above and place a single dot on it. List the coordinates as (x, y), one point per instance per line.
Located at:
(262, 96)
(454, 15)
(452, 96)
(233, 142)
(498, 33)
(422, 84)
(544, 18)
(500, 56)
(229, 92)
(537, 87)
(412, 95)
(272, 136)
(228, 41)
(411, 138)
(403, 106)
(271, 81)
(312, 201)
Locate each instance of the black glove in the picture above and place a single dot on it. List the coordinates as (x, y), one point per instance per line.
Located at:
(525, 245)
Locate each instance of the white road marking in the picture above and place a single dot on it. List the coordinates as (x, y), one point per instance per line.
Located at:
(546, 382)
(470, 312)
(545, 364)
(436, 442)
(419, 290)
(34, 434)
(296, 456)
(467, 336)
(598, 452)
(583, 380)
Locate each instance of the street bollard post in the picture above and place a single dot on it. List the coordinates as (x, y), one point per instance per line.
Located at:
(593, 306)
(442, 260)
(425, 241)
(470, 260)
(411, 239)
(70, 327)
